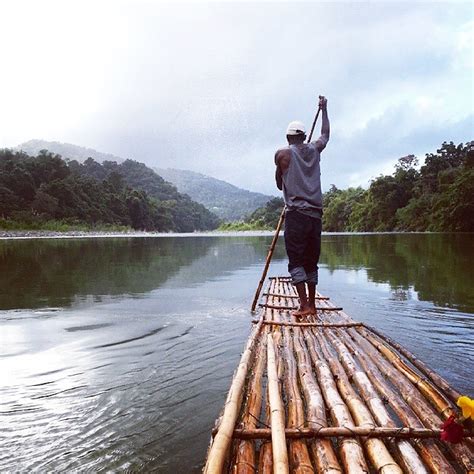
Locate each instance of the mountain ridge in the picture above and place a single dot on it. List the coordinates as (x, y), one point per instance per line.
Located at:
(226, 200)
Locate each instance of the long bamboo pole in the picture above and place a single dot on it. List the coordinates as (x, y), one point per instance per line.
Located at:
(269, 259)
(402, 432)
(265, 460)
(265, 464)
(314, 122)
(305, 325)
(245, 458)
(324, 298)
(220, 445)
(280, 454)
(298, 451)
(280, 307)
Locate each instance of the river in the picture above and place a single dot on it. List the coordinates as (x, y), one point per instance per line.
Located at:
(117, 353)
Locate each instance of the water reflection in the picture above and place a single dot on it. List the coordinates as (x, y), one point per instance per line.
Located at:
(54, 273)
(438, 267)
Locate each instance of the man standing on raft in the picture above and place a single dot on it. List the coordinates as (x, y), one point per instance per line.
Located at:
(298, 175)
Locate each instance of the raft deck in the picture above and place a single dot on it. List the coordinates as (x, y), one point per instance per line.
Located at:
(329, 394)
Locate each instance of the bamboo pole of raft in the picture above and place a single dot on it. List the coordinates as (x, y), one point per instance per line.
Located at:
(268, 260)
(378, 453)
(323, 453)
(429, 451)
(265, 465)
(265, 460)
(402, 432)
(347, 365)
(352, 454)
(420, 405)
(317, 325)
(421, 366)
(220, 445)
(321, 308)
(428, 390)
(317, 298)
(245, 462)
(298, 451)
(280, 454)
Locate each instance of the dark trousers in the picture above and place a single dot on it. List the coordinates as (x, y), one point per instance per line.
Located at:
(303, 246)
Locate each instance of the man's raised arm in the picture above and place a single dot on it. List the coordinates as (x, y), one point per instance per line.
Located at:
(322, 141)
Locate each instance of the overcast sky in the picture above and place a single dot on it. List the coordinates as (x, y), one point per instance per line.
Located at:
(211, 87)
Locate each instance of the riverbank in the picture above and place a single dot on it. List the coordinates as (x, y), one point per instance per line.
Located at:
(74, 234)
(47, 234)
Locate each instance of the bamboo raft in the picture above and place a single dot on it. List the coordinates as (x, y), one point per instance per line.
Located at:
(331, 395)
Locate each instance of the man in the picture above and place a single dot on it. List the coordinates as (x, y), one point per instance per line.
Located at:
(298, 175)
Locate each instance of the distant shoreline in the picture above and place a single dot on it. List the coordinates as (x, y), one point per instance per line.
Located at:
(46, 234)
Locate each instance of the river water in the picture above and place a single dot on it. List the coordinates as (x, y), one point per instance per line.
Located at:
(117, 353)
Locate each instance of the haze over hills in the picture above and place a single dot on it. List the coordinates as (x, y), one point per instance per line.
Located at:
(66, 150)
(227, 201)
(224, 199)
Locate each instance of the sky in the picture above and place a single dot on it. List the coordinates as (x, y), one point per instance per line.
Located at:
(211, 87)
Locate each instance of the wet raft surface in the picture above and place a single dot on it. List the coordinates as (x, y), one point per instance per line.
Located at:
(328, 394)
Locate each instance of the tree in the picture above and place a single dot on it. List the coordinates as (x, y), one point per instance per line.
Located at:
(44, 203)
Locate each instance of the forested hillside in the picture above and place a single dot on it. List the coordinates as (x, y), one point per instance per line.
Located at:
(46, 187)
(438, 196)
(224, 199)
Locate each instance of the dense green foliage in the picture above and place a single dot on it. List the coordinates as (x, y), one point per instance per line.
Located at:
(439, 196)
(47, 188)
(226, 200)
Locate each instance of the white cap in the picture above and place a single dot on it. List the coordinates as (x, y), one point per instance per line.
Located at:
(296, 128)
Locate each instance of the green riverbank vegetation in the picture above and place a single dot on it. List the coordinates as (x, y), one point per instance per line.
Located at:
(48, 193)
(436, 197)
(263, 218)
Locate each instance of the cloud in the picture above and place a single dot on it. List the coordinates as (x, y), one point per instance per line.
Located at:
(211, 86)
